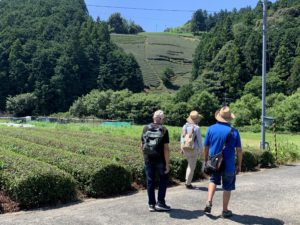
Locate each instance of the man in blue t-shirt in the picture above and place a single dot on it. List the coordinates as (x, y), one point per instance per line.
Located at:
(214, 141)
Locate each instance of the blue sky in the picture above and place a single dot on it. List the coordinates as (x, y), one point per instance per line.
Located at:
(157, 21)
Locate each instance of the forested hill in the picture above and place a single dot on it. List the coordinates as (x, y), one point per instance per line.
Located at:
(228, 59)
(51, 52)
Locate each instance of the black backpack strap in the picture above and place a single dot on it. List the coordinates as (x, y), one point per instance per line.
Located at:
(228, 138)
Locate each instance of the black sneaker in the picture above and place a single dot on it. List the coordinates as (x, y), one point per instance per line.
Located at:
(162, 207)
(207, 208)
(227, 214)
(151, 208)
(189, 186)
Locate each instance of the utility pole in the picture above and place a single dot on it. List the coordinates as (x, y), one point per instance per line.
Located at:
(264, 49)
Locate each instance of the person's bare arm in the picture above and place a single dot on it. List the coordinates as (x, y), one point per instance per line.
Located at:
(167, 158)
(239, 153)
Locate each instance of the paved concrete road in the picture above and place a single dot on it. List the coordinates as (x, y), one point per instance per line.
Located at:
(268, 197)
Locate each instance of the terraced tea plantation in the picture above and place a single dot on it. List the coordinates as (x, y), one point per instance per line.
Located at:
(157, 51)
(42, 166)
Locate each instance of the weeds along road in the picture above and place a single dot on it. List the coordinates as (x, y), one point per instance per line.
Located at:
(267, 197)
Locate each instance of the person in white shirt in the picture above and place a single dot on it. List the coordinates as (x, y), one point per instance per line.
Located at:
(191, 153)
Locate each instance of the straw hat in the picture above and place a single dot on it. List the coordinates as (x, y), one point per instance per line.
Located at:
(224, 115)
(194, 117)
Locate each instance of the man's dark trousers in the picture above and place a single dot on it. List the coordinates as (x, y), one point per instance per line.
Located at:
(151, 167)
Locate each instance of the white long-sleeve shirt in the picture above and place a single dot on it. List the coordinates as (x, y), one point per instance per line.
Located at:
(198, 139)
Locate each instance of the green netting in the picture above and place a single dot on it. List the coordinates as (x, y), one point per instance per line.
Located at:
(116, 123)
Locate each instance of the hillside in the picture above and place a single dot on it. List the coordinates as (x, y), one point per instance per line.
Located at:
(52, 52)
(157, 51)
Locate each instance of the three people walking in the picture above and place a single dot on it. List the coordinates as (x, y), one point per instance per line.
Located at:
(155, 146)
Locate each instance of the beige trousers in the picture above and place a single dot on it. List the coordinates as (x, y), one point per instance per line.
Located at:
(191, 157)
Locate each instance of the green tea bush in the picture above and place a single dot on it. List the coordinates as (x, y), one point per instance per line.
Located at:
(111, 179)
(97, 177)
(249, 162)
(198, 170)
(286, 152)
(179, 165)
(266, 160)
(32, 183)
(138, 172)
(178, 168)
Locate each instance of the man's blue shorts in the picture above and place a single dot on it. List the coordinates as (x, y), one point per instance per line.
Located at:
(228, 180)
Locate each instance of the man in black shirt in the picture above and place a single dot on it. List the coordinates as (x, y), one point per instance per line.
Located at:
(156, 137)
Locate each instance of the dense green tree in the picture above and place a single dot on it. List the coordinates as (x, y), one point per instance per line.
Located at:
(184, 93)
(93, 104)
(119, 71)
(282, 64)
(134, 28)
(252, 53)
(206, 104)
(198, 22)
(247, 110)
(117, 24)
(166, 76)
(18, 72)
(209, 81)
(286, 113)
(273, 85)
(22, 104)
(274, 99)
(177, 113)
(294, 79)
(202, 56)
(227, 66)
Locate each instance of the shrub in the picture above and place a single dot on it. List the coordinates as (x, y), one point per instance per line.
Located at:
(22, 104)
(198, 170)
(111, 179)
(249, 162)
(33, 183)
(138, 173)
(97, 177)
(206, 104)
(267, 160)
(286, 152)
(178, 168)
(247, 109)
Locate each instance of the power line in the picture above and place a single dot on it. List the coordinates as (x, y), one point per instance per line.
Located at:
(145, 9)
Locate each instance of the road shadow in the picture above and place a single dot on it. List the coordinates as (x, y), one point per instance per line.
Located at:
(185, 214)
(291, 165)
(257, 220)
(54, 206)
(205, 188)
(250, 219)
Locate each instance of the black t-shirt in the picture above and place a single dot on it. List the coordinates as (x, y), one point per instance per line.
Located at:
(165, 140)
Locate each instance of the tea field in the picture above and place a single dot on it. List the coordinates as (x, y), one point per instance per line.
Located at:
(52, 163)
(157, 51)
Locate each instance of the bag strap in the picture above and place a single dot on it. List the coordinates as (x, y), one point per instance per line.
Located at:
(189, 125)
(228, 138)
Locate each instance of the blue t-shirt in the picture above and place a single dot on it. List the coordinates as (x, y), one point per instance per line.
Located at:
(215, 139)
